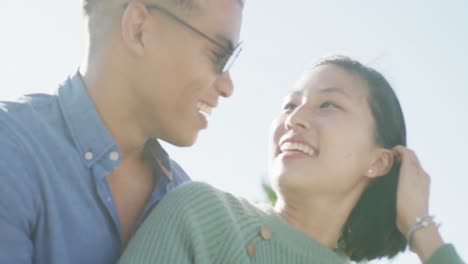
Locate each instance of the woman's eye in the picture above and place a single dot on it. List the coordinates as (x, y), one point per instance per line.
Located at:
(328, 104)
(289, 106)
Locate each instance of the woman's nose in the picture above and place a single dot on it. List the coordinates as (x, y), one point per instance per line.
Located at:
(297, 120)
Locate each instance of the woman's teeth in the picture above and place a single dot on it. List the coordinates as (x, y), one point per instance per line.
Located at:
(297, 147)
(204, 108)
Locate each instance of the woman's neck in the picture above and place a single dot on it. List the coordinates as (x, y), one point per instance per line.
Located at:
(321, 218)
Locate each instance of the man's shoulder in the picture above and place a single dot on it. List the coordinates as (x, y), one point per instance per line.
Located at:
(26, 110)
(22, 122)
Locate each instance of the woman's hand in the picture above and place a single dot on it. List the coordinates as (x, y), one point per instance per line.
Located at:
(412, 191)
(413, 201)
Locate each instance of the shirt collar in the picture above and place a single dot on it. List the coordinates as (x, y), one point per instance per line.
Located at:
(91, 137)
(154, 151)
(89, 132)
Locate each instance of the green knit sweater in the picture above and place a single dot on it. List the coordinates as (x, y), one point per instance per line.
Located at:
(197, 223)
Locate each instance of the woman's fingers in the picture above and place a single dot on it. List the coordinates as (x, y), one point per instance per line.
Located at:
(407, 155)
(412, 190)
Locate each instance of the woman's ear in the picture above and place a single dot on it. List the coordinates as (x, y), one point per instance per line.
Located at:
(381, 164)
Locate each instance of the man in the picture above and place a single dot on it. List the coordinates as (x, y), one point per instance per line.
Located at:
(80, 169)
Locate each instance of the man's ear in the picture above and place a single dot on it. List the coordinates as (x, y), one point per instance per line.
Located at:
(133, 26)
(381, 163)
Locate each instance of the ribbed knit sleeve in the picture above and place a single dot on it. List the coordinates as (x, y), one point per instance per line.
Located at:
(165, 236)
(190, 225)
(445, 254)
(199, 224)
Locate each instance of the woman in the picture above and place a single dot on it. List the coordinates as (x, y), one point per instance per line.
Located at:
(335, 160)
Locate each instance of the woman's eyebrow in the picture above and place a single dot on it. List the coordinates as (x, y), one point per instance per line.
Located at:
(295, 93)
(335, 90)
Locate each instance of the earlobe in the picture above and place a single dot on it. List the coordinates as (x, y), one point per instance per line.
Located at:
(132, 26)
(381, 164)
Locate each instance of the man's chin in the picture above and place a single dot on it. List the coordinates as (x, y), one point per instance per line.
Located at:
(187, 141)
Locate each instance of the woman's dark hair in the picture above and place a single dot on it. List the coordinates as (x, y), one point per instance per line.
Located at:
(370, 231)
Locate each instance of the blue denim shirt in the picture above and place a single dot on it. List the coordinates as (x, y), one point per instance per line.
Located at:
(55, 203)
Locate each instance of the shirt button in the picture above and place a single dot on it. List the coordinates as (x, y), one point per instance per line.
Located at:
(109, 199)
(114, 156)
(88, 155)
(265, 232)
(251, 248)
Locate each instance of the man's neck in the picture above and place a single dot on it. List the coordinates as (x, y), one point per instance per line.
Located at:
(114, 105)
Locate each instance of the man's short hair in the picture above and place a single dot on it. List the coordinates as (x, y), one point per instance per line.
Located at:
(101, 14)
(90, 5)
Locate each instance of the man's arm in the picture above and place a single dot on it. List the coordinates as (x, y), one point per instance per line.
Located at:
(17, 210)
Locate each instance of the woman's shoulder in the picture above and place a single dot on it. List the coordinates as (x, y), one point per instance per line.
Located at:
(192, 191)
(196, 186)
(205, 200)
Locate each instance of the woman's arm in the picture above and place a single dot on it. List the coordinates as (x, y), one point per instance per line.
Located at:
(165, 235)
(412, 203)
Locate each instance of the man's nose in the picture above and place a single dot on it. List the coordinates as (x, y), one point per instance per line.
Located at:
(224, 85)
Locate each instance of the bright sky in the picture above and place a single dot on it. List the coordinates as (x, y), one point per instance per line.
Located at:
(420, 46)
